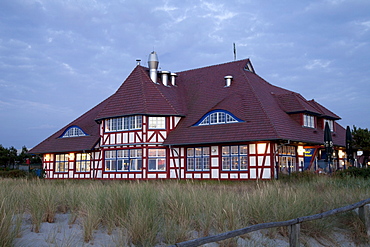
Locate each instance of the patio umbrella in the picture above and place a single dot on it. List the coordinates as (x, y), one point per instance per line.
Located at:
(349, 150)
(328, 142)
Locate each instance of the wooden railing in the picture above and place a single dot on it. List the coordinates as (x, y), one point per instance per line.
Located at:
(294, 226)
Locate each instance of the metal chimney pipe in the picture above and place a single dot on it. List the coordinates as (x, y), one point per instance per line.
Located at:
(165, 77)
(228, 80)
(153, 66)
(173, 78)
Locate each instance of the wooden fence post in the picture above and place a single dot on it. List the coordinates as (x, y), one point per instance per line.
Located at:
(364, 213)
(294, 235)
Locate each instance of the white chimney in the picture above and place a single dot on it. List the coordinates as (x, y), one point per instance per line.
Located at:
(165, 77)
(228, 80)
(173, 78)
(138, 61)
(153, 66)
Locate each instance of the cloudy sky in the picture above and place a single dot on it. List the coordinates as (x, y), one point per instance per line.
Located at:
(59, 58)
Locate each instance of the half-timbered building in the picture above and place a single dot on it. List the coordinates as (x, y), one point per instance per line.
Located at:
(217, 122)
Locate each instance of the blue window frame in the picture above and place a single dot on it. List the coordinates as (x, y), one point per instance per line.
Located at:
(124, 160)
(198, 159)
(235, 158)
(83, 162)
(218, 117)
(73, 131)
(61, 162)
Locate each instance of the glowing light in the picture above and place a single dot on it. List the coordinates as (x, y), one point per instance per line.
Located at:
(300, 150)
(71, 156)
(47, 157)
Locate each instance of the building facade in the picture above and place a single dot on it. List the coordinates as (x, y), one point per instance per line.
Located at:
(217, 122)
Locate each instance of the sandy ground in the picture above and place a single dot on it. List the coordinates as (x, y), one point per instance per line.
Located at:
(61, 234)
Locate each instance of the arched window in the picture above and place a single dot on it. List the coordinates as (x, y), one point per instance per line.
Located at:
(73, 131)
(218, 117)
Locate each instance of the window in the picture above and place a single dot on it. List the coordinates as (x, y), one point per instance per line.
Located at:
(123, 160)
(157, 159)
(198, 159)
(330, 123)
(287, 158)
(157, 122)
(73, 131)
(83, 162)
(218, 117)
(235, 158)
(61, 162)
(123, 123)
(308, 121)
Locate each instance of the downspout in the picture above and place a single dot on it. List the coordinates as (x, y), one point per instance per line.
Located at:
(177, 153)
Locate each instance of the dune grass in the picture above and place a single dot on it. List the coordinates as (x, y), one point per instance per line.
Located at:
(151, 212)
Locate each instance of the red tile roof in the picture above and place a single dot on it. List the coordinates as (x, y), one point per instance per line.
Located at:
(139, 95)
(264, 108)
(69, 144)
(261, 105)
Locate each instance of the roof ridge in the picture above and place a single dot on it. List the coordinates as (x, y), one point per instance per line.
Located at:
(145, 102)
(159, 91)
(214, 65)
(260, 103)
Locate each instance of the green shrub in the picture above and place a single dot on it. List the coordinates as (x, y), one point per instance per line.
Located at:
(354, 172)
(302, 176)
(13, 174)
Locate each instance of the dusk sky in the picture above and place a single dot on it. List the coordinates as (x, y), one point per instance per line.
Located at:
(59, 59)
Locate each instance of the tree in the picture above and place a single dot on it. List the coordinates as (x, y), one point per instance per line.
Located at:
(3, 156)
(24, 156)
(361, 140)
(8, 156)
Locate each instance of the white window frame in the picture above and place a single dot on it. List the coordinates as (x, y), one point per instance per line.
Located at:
(218, 117)
(61, 162)
(235, 158)
(330, 123)
(287, 159)
(123, 123)
(308, 121)
(157, 123)
(123, 160)
(157, 159)
(73, 132)
(198, 159)
(83, 162)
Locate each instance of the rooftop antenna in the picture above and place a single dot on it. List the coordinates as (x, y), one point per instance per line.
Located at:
(234, 52)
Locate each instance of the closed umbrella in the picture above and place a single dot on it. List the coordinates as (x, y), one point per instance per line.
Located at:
(349, 150)
(328, 142)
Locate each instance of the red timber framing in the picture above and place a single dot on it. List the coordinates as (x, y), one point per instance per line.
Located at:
(259, 156)
(64, 165)
(143, 142)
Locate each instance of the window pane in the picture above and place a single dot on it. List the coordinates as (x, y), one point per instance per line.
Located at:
(190, 152)
(226, 163)
(213, 118)
(243, 163)
(235, 163)
(206, 163)
(234, 150)
(221, 117)
(225, 150)
(126, 123)
(190, 163)
(243, 149)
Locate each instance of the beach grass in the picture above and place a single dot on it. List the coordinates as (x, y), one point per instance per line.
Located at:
(150, 212)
